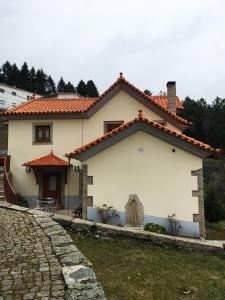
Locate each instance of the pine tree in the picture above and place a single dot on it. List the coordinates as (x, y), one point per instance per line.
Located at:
(15, 75)
(50, 85)
(81, 88)
(91, 89)
(7, 71)
(2, 76)
(69, 87)
(61, 85)
(24, 81)
(41, 82)
(33, 80)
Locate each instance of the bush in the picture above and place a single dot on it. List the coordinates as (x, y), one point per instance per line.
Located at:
(155, 228)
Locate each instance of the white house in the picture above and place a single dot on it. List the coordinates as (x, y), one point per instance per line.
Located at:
(10, 96)
(90, 151)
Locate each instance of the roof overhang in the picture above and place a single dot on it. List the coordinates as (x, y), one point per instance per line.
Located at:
(140, 126)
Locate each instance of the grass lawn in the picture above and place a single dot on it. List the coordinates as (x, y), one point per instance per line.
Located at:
(138, 270)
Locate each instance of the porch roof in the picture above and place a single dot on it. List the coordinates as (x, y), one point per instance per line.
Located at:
(48, 160)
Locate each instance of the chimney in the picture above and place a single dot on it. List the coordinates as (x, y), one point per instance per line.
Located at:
(171, 95)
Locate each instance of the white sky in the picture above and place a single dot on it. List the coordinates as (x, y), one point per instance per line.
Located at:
(152, 42)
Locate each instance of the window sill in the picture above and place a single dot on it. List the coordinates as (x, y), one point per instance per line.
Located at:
(39, 143)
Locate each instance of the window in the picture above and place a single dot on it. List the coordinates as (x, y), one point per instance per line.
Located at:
(14, 93)
(110, 125)
(2, 90)
(42, 134)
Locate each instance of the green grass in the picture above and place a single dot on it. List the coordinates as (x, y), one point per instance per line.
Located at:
(134, 270)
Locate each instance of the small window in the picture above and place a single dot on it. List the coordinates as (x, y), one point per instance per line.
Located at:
(14, 93)
(42, 134)
(2, 90)
(110, 125)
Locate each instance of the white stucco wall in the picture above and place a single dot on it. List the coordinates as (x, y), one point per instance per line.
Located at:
(67, 135)
(7, 99)
(162, 179)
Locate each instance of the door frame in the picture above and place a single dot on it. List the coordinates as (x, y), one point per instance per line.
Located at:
(63, 182)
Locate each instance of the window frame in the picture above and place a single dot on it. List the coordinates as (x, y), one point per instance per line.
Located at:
(35, 140)
(106, 123)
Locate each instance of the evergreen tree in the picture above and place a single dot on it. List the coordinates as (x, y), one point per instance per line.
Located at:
(15, 74)
(33, 80)
(69, 87)
(50, 85)
(2, 76)
(7, 71)
(61, 85)
(91, 89)
(81, 88)
(24, 81)
(41, 82)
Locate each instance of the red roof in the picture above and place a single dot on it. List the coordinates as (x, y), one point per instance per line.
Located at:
(52, 105)
(163, 101)
(48, 160)
(140, 118)
(80, 105)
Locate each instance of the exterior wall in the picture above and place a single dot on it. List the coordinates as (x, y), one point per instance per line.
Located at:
(67, 135)
(121, 107)
(9, 100)
(162, 179)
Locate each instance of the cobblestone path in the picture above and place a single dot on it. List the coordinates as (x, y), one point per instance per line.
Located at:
(28, 267)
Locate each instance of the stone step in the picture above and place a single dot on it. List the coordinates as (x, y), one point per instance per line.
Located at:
(2, 198)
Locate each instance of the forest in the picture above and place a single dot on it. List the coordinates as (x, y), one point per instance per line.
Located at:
(38, 82)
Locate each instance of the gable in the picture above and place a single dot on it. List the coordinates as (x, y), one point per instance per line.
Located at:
(152, 128)
(85, 108)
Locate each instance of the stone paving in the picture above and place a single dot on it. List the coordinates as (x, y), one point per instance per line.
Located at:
(29, 269)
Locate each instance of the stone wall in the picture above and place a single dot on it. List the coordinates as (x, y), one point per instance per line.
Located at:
(79, 277)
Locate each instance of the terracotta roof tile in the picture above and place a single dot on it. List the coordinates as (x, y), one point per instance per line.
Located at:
(52, 105)
(140, 118)
(163, 101)
(48, 160)
(79, 105)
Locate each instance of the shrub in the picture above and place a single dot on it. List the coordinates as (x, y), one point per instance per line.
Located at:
(155, 228)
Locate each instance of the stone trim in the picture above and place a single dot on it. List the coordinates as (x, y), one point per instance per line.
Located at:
(79, 277)
(200, 217)
(86, 200)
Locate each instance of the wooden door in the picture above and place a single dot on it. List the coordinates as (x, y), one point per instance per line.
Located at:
(52, 185)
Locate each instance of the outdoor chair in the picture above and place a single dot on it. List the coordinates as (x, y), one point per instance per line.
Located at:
(77, 212)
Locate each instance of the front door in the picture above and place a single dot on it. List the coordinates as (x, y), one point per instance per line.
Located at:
(52, 185)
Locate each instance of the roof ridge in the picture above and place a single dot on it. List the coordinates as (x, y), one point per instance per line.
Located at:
(48, 156)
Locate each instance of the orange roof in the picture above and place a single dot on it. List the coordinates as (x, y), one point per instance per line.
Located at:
(48, 160)
(140, 118)
(79, 105)
(52, 105)
(163, 101)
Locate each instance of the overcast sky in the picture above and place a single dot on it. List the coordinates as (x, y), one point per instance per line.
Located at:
(152, 42)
